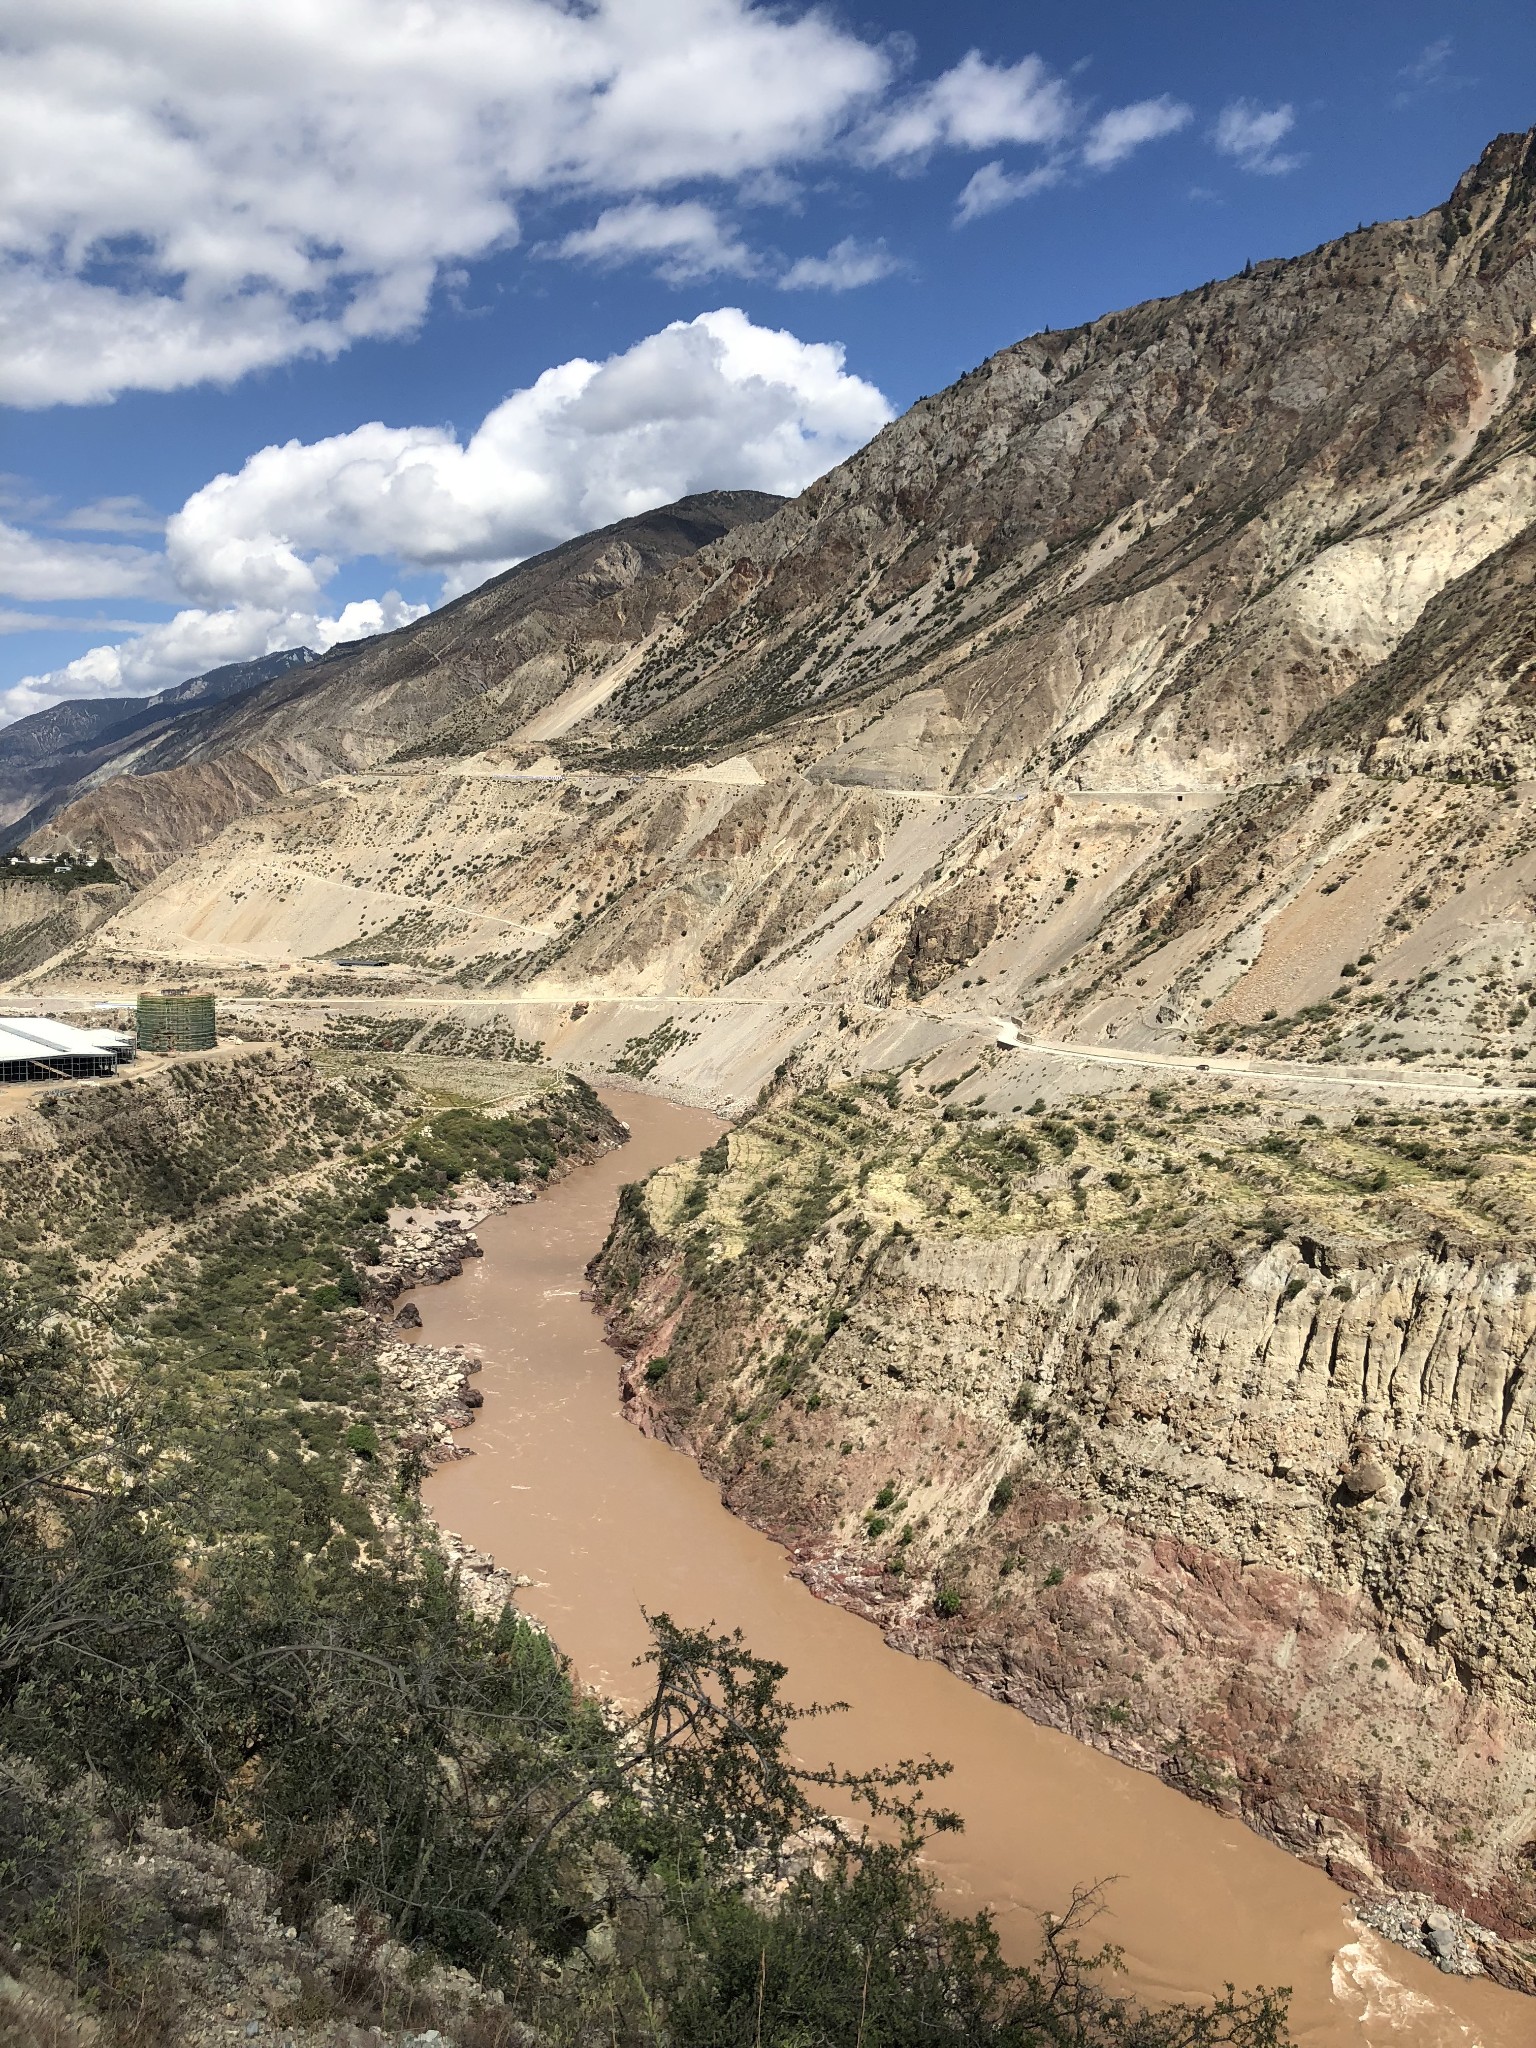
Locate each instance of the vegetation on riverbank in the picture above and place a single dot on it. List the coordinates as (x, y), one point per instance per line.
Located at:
(224, 1615)
(1204, 1162)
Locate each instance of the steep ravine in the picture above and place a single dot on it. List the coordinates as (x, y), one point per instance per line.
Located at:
(1201, 1435)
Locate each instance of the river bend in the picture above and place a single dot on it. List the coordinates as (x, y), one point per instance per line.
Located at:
(605, 1522)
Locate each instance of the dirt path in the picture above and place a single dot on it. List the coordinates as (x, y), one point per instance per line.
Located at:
(1277, 1073)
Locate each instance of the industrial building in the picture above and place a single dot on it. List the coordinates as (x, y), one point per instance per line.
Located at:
(176, 1021)
(41, 1049)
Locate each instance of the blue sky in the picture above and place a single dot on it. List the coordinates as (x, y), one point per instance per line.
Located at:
(366, 309)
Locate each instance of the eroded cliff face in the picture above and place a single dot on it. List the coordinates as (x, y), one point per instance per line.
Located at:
(40, 919)
(1198, 1430)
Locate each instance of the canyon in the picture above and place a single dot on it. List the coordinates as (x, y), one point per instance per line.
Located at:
(1086, 841)
(1196, 1430)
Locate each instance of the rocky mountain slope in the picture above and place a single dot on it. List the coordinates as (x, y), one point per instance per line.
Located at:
(52, 755)
(510, 645)
(43, 913)
(1145, 679)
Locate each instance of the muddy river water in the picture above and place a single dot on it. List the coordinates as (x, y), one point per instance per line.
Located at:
(606, 1522)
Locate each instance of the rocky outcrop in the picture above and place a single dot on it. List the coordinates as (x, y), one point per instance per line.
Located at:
(1454, 699)
(431, 1385)
(430, 1246)
(487, 1586)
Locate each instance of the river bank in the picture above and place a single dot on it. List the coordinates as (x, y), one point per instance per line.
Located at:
(606, 1523)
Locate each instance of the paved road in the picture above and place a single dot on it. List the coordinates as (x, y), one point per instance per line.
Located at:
(1282, 1073)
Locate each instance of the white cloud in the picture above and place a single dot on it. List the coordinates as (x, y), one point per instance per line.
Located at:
(36, 565)
(1428, 73)
(707, 403)
(196, 640)
(771, 188)
(49, 622)
(993, 187)
(1428, 68)
(1046, 115)
(469, 575)
(192, 192)
(111, 515)
(20, 497)
(689, 237)
(710, 402)
(846, 265)
(1116, 134)
(691, 241)
(977, 105)
(1250, 135)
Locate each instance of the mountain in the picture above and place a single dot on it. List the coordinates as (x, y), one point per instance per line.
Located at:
(45, 757)
(1084, 683)
(82, 721)
(1089, 837)
(507, 646)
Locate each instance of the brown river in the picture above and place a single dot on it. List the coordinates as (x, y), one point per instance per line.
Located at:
(606, 1522)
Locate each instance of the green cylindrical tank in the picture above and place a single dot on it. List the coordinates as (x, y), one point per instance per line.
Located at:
(176, 1023)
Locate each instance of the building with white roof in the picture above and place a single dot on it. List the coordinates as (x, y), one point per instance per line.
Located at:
(41, 1049)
